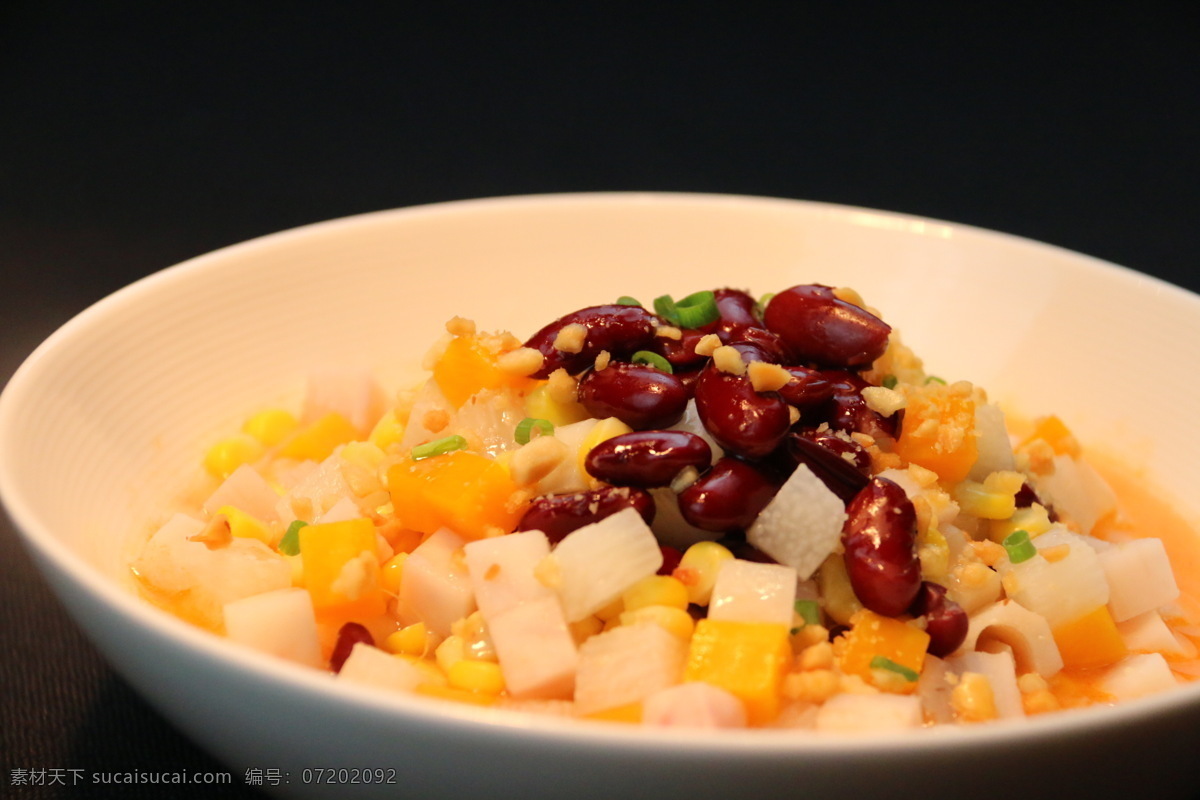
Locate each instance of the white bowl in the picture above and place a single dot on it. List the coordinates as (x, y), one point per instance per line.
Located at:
(103, 427)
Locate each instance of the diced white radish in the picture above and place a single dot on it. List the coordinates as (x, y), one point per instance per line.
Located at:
(1063, 589)
(1075, 489)
(491, 416)
(1137, 676)
(341, 511)
(801, 525)
(1149, 633)
(1027, 633)
(994, 445)
(691, 423)
(866, 713)
(748, 591)
(1140, 578)
(535, 648)
(245, 489)
(597, 562)
(281, 623)
(434, 585)
(373, 667)
(317, 492)
(349, 391)
(428, 417)
(693, 705)
(934, 688)
(626, 664)
(1000, 670)
(502, 570)
(669, 525)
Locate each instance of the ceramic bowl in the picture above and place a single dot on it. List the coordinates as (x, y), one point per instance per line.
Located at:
(102, 430)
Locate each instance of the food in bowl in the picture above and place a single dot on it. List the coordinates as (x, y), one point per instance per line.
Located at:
(727, 511)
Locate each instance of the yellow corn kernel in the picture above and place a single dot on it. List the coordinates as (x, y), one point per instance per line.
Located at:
(978, 500)
(840, 602)
(697, 570)
(540, 404)
(1034, 520)
(655, 590)
(603, 430)
(247, 527)
(411, 640)
(228, 454)
(452, 650)
(446, 692)
(934, 552)
(388, 431)
(483, 677)
(316, 441)
(271, 426)
(433, 675)
(671, 618)
(390, 572)
(747, 659)
(972, 698)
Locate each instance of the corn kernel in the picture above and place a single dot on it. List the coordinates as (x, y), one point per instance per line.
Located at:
(655, 590)
(228, 454)
(245, 526)
(673, 619)
(452, 650)
(411, 640)
(976, 499)
(972, 698)
(476, 676)
(840, 601)
(698, 568)
(1034, 520)
(388, 431)
(271, 426)
(389, 574)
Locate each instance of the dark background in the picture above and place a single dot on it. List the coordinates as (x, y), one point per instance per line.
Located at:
(133, 136)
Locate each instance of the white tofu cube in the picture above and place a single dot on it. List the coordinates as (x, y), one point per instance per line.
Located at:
(865, 713)
(373, 667)
(434, 586)
(502, 570)
(627, 664)
(747, 591)
(535, 648)
(801, 525)
(280, 623)
(693, 705)
(598, 562)
(1139, 576)
(1137, 676)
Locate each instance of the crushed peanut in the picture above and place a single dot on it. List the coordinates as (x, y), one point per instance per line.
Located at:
(216, 534)
(727, 359)
(570, 338)
(708, 344)
(882, 400)
(356, 575)
(460, 326)
(436, 420)
(972, 699)
(812, 686)
(766, 377)
(816, 656)
(549, 572)
(603, 359)
(1056, 553)
(536, 460)
(522, 362)
(561, 387)
(668, 332)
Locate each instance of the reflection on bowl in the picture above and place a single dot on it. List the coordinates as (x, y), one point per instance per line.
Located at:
(103, 425)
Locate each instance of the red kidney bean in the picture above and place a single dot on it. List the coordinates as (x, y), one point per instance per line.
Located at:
(1026, 496)
(821, 455)
(879, 539)
(621, 330)
(727, 497)
(742, 549)
(680, 353)
(741, 420)
(847, 411)
(350, 634)
(807, 388)
(945, 620)
(671, 558)
(737, 310)
(639, 395)
(647, 458)
(556, 515)
(770, 347)
(819, 328)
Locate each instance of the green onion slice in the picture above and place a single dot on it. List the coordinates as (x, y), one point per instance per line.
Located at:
(698, 309)
(934, 379)
(890, 381)
(883, 662)
(289, 545)
(760, 308)
(665, 307)
(809, 611)
(524, 431)
(626, 300)
(1019, 547)
(437, 447)
(652, 360)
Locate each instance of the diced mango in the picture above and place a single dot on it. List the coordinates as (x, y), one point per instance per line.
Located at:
(456, 694)
(873, 635)
(466, 366)
(938, 431)
(469, 493)
(540, 404)
(1090, 641)
(228, 454)
(630, 713)
(388, 431)
(341, 569)
(317, 440)
(247, 527)
(1054, 432)
(747, 659)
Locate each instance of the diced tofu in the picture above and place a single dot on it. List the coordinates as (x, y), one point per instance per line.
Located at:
(625, 665)
(535, 648)
(373, 667)
(248, 490)
(801, 525)
(435, 587)
(865, 713)
(748, 591)
(502, 570)
(1139, 576)
(280, 623)
(598, 562)
(1137, 676)
(693, 705)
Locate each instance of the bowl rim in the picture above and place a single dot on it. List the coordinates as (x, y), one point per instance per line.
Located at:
(58, 562)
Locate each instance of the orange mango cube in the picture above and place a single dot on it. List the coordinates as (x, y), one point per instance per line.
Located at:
(469, 493)
(341, 569)
(938, 431)
(872, 635)
(1090, 641)
(746, 659)
(317, 440)
(465, 367)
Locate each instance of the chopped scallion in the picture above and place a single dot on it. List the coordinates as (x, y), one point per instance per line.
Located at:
(524, 431)
(1019, 546)
(665, 307)
(760, 308)
(437, 447)
(934, 379)
(652, 360)
(698, 309)
(809, 611)
(289, 545)
(626, 300)
(890, 381)
(883, 662)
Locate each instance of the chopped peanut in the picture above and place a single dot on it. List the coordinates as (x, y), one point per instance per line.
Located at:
(570, 338)
(766, 377)
(728, 359)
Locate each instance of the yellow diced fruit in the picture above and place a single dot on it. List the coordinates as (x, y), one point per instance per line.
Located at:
(388, 431)
(458, 695)
(872, 635)
(228, 454)
(469, 493)
(673, 619)
(539, 404)
(840, 602)
(630, 713)
(411, 640)
(390, 573)
(466, 366)
(271, 426)
(1034, 520)
(938, 431)
(747, 659)
(316, 441)
(341, 569)
(975, 499)
(1090, 641)
(483, 677)
(655, 590)
(1054, 432)
(697, 570)
(247, 527)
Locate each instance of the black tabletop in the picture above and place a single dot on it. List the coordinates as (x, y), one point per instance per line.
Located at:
(135, 135)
